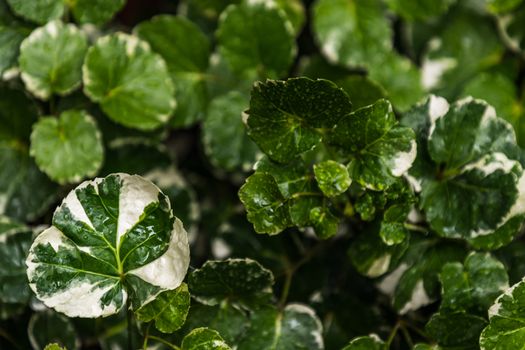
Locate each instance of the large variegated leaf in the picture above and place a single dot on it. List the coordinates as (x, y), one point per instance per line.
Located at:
(112, 238)
(467, 167)
(506, 329)
(131, 83)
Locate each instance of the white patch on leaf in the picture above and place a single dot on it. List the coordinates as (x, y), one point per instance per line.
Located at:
(168, 270)
(389, 284)
(404, 160)
(73, 204)
(82, 299)
(135, 195)
(433, 69)
(437, 108)
(418, 299)
(379, 266)
(331, 46)
(303, 309)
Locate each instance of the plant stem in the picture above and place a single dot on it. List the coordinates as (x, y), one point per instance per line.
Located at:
(160, 340)
(129, 318)
(146, 337)
(392, 334)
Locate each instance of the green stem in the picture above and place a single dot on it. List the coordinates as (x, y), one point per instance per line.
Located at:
(417, 228)
(286, 288)
(392, 335)
(407, 336)
(146, 336)
(160, 340)
(129, 319)
(4, 334)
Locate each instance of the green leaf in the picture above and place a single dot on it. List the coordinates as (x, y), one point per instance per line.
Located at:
(51, 59)
(332, 177)
(456, 330)
(264, 203)
(371, 256)
(38, 11)
(242, 281)
(112, 238)
(69, 148)
(500, 6)
(84, 11)
(506, 327)
(417, 10)
(500, 92)
(295, 13)
(224, 136)
(362, 89)
(414, 282)
(15, 240)
(169, 309)
(370, 342)
(471, 183)
(324, 222)
(256, 36)
(382, 149)
(186, 51)
(131, 83)
(54, 346)
(467, 44)
(474, 285)
(227, 319)
(95, 11)
(49, 327)
(12, 32)
(296, 327)
(352, 33)
(204, 339)
(287, 118)
(400, 78)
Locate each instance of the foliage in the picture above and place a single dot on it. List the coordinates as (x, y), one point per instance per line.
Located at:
(262, 174)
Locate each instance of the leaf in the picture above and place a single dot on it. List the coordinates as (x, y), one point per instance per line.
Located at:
(382, 149)
(256, 36)
(169, 309)
(38, 11)
(54, 346)
(186, 51)
(400, 78)
(224, 136)
(95, 11)
(466, 45)
(69, 148)
(285, 116)
(264, 204)
(12, 32)
(362, 89)
(51, 59)
(506, 323)
(325, 223)
(242, 281)
(49, 327)
(295, 13)
(84, 11)
(130, 82)
(296, 327)
(371, 256)
(472, 184)
(414, 283)
(15, 240)
(414, 10)
(352, 33)
(25, 192)
(500, 92)
(204, 339)
(332, 177)
(474, 285)
(228, 320)
(456, 330)
(371, 342)
(112, 238)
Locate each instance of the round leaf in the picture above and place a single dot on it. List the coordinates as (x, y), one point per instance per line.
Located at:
(371, 342)
(51, 59)
(186, 50)
(68, 148)
(39, 11)
(131, 83)
(224, 135)
(332, 177)
(266, 45)
(95, 11)
(169, 309)
(112, 238)
(204, 339)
